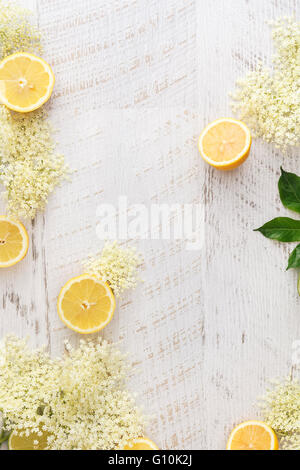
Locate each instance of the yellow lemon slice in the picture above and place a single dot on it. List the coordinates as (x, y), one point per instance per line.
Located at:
(26, 82)
(225, 143)
(14, 242)
(141, 444)
(86, 304)
(31, 442)
(253, 435)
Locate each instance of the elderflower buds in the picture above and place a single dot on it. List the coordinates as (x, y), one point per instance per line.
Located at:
(281, 410)
(30, 169)
(270, 102)
(80, 401)
(117, 266)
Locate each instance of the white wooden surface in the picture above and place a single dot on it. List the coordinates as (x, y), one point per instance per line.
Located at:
(136, 82)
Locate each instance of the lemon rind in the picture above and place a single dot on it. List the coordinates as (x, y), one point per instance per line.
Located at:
(25, 238)
(67, 322)
(274, 441)
(44, 98)
(239, 157)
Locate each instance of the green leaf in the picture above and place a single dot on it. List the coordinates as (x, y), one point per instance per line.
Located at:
(289, 190)
(4, 436)
(294, 259)
(282, 229)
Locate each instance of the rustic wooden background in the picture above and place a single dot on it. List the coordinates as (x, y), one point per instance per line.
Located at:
(136, 82)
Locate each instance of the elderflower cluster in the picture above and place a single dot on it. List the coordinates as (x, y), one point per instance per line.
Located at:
(17, 34)
(281, 410)
(116, 265)
(29, 167)
(270, 102)
(79, 401)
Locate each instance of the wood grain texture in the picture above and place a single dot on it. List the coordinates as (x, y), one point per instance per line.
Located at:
(136, 82)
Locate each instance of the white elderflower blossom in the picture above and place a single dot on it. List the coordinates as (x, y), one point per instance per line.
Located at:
(16, 32)
(116, 265)
(270, 102)
(80, 401)
(29, 167)
(281, 410)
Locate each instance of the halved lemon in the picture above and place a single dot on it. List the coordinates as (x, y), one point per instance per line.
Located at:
(31, 442)
(14, 242)
(253, 435)
(26, 82)
(86, 304)
(141, 444)
(225, 143)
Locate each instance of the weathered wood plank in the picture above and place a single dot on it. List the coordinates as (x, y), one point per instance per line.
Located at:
(136, 83)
